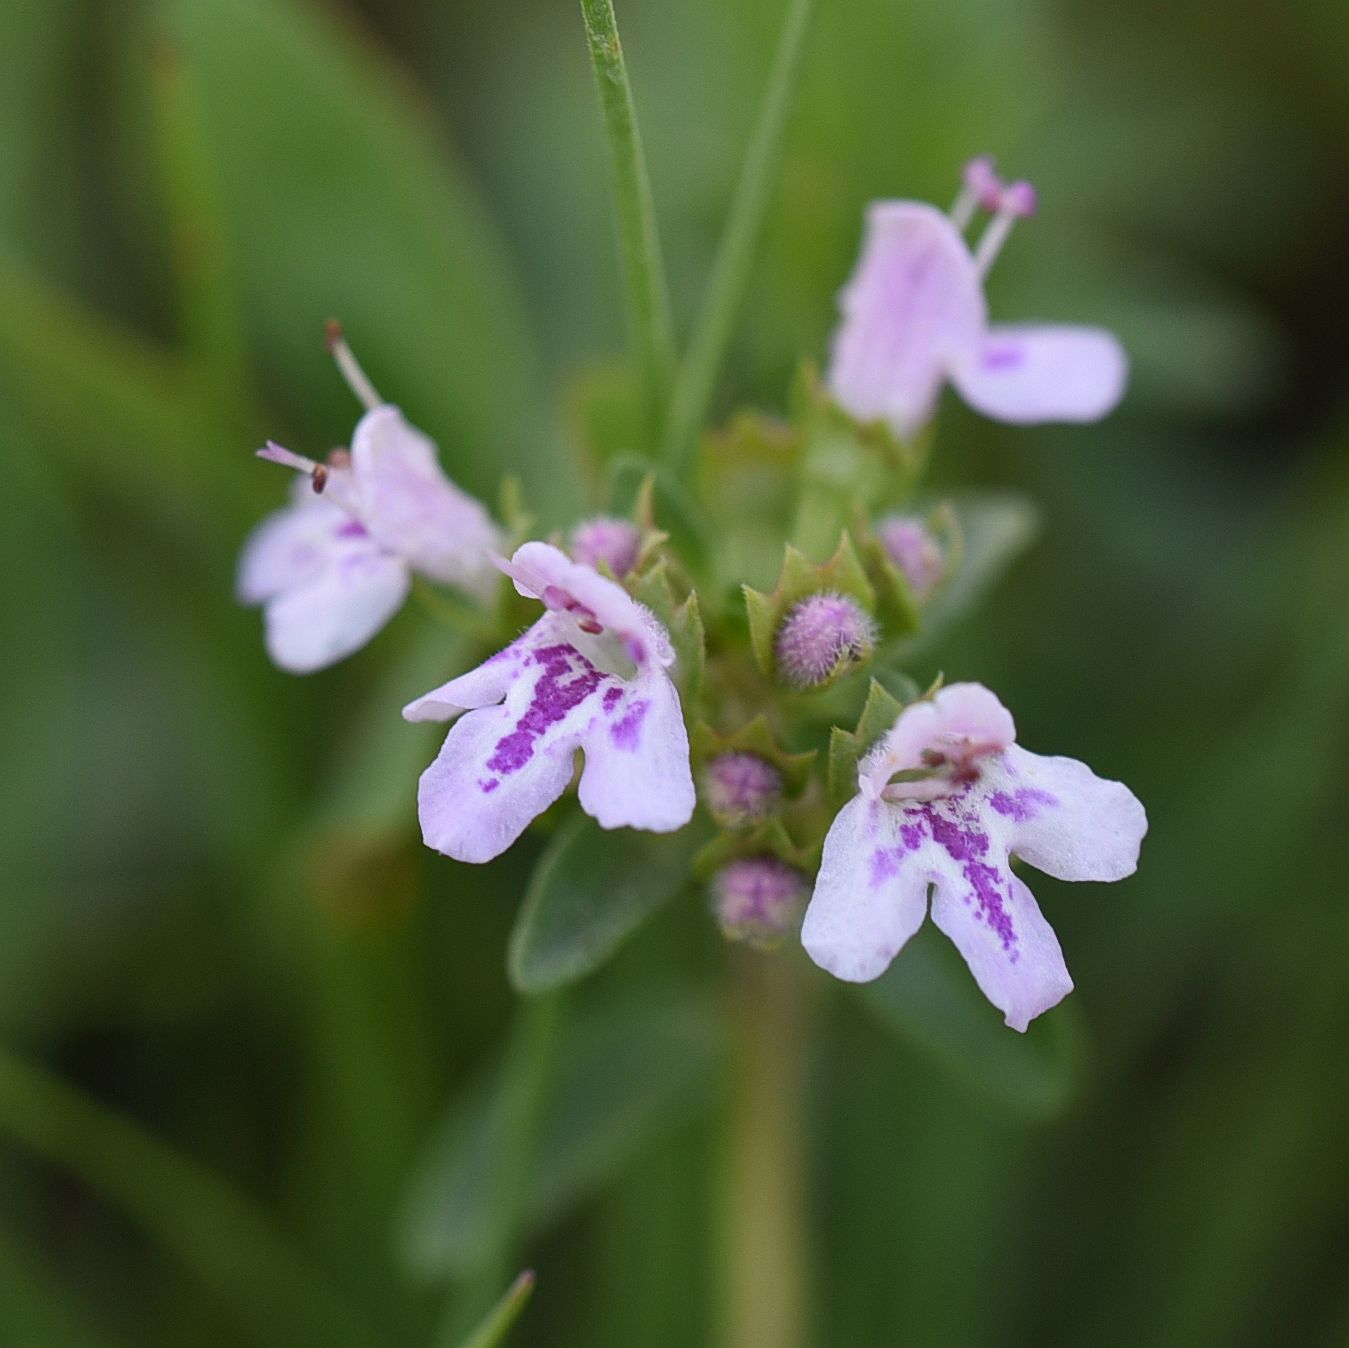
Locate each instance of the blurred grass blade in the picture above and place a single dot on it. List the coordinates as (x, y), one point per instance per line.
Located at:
(341, 197)
(696, 380)
(118, 412)
(625, 1074)
(208, 299)
(225, 1242)
(639, 241)
(590, 891)
(35, 1307)
(930, 1000)
(503, 1315)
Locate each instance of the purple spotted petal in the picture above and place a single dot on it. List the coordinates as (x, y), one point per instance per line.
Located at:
(1029, 373)
(637, 760)
(1068, 822)
(870, 896)
(913, 308)
(407, 502)
(503, 765)
(995, 923)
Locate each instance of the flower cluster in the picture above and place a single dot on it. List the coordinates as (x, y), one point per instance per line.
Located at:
(637, 642)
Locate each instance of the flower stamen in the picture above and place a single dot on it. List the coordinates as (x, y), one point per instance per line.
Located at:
(1015, 201)
(980, 186)
(357, 379)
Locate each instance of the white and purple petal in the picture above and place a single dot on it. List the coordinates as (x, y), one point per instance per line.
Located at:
(1065, 820)
(637, 771)
(871, 893)
(404, 498)
(913, 308)
(1031, 373)
(338, 608)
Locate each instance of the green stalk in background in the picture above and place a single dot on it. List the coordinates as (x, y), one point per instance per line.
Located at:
(697, 377)
(196, 1217)
(765, 1258)
(648, 297)
(529, 1066)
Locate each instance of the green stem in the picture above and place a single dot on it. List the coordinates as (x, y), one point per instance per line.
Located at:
(766, 1263)
(697, 376)
(227, 1243)
(503, 1315)
(529, 1069)
(648, 298)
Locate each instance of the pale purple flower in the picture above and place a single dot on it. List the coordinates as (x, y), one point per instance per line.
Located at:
(591, 674)
(758, 899)
(915, 551)
(915, 318)
(334, 566)
(966, 799)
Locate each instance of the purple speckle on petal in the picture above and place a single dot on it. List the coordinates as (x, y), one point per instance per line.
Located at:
(553, 699)
(984, 882)
(488, 785)
(962, 844)
(1005, 357)
(626, 734)
(884, 865)
(351, 529)
(1021, 805)
(612, 697)
(912, 836)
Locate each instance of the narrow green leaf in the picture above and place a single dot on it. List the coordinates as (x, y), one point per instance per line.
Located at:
(648, 301)
(341, 198)
(198, 1219)
(929, 999)
(494, 1328)
(624, 1074)
(591, 890)
(736, 254)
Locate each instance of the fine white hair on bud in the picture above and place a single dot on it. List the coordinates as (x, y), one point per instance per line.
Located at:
(819, 635)
(758, 900)
(741, 788)
(607, 540)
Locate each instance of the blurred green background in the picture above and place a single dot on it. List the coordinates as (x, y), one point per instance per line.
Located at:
(216, 921)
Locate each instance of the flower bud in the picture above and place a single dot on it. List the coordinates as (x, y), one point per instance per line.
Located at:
(741, 788)
(820, 634)
(758, 900)
(914, 551)
(606, 540)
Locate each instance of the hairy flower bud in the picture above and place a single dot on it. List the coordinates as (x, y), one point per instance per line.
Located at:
(741, 788)
(821, 633)
(613, 542)
(914, 551)
(758, 899)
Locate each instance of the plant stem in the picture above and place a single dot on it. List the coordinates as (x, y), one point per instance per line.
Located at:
(765, 1259)
(217, 1233)
(529, 1069)
(648, 298)
(697, 375)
